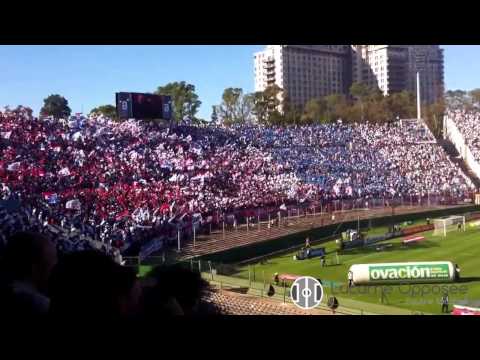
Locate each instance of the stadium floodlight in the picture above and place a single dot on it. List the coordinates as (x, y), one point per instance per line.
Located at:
(447, 224)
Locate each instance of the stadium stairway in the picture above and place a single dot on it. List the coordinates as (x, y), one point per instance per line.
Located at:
(454, 155)
(466, 169)
(231, 303)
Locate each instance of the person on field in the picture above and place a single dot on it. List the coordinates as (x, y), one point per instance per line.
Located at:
(445, 303)
(350, 279)
(333, 304)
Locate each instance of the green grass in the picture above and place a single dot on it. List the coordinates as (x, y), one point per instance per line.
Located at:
(462, 248)
(144, 270)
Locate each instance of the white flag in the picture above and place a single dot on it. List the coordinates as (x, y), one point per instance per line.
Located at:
(13, 167)
(64, 172)
(73, 204)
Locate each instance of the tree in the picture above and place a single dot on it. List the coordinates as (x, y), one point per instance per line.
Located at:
(276, 118)
(475, 96)
(314, 111)
(378, 110)
(336, 106)
(402, 104)
(456, 99)
(272, 97)
(214, 117)
(230, 107)
(260, 106)
(433, 115)
(106, 110)
(185, 101)
(360, 91)
(20, 109)
(292, 113)
(236, 107)
(56, 106)
(245, 113)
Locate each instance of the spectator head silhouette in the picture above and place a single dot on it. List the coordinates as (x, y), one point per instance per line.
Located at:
(29, 257)
(27, 262)
(174, 290)
(91, 285)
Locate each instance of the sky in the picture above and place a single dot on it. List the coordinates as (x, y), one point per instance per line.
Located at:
(89, 76)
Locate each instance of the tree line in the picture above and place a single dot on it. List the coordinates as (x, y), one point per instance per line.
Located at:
(273, 106)
(362, 104)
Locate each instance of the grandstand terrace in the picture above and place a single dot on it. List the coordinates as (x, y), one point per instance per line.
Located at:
(124, 184)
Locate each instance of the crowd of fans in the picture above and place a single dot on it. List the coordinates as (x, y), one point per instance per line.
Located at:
(119, 184)
(397, 159)
(468, 122)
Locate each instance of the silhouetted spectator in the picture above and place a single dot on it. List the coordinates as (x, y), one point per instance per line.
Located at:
(90, 285)
(26, 266)
(174, 290)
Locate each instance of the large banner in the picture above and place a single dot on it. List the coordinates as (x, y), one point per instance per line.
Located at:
(408, 272)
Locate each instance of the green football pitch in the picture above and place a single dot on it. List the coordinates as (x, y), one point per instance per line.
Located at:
(462, 248)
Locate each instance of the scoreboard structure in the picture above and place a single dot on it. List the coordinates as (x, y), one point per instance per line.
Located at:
(143, 106)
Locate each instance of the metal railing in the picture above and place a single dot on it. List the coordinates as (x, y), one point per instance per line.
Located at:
(275, 216)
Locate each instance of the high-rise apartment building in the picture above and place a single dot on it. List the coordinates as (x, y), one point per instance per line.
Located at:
(312, 71)
(382, 66)
(304, 71)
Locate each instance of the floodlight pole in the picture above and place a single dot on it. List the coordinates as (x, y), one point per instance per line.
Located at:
(178, 240)
(419, 107)
(194, 237)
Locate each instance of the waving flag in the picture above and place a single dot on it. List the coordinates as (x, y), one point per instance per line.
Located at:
(349, 190)
(164, 208)
(14, 167)
(77, 136)
(73, 204)
(6, 135)
(50, 197)
(64, 172)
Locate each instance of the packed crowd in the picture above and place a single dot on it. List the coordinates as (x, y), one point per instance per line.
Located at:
(468, 123)
(397, 159)
(124, 183)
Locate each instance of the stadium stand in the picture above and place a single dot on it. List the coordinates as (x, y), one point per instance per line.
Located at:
(467, 122)
(124, 184)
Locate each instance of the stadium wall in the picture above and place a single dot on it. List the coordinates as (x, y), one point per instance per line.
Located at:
(264, 248)
(454, 135)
